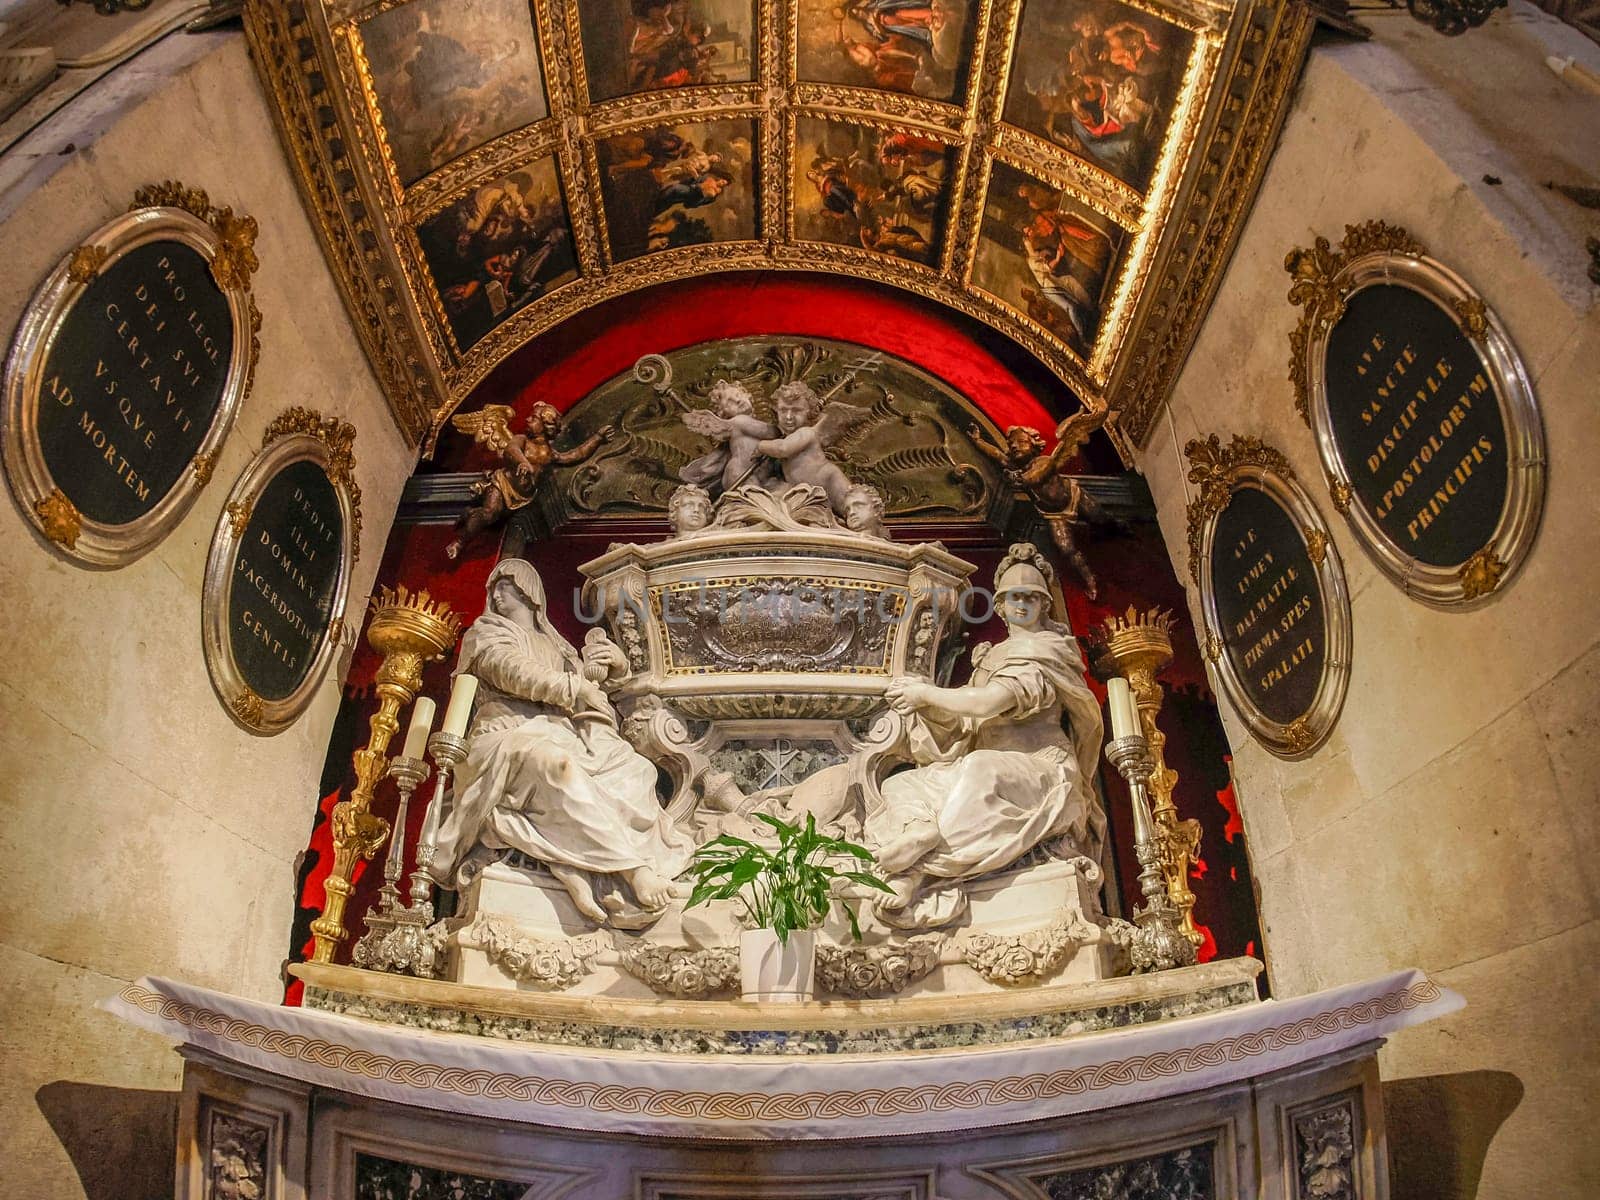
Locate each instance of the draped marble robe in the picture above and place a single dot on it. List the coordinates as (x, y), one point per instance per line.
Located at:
(988, 791)
(546, 771)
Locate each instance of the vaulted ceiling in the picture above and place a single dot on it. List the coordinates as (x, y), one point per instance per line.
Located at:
(1071, 172)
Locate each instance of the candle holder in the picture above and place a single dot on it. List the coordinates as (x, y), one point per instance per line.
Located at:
(407, 630)
(1137, 646)
(448, 749)
(1159, 943)
(391, 942)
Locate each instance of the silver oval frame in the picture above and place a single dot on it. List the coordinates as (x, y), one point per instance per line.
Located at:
(250, 711)
(1303, 736)
(1476, 579)
(43, 502)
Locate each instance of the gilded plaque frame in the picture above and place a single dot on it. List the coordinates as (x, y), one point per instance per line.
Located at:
(298, 435)
(1220, 472)
(1378, 254)
(167, 212)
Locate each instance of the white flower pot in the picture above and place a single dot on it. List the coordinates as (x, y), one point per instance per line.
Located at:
(771, 971)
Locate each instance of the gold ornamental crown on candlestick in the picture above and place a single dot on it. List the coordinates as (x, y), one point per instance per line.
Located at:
(408, 629)
(404, 622)
(1134, 641)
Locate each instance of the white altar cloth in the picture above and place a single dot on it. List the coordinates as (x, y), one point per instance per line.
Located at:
(820, 1096)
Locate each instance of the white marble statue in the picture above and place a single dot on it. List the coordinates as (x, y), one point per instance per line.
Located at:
(547, 772)
(997, 772)
(863, 511)
(689, 510)
(732, 423)
(808, 426)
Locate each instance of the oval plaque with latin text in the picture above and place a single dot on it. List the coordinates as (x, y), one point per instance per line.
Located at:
(1272, 588)
(1425, 420)
(1270, 609)
(278, 576)
(125, 375)
(285, 576)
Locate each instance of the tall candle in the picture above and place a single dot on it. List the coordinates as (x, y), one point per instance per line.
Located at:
(1131, 703)
(1119, 699)
(460, 710)
(421, 725)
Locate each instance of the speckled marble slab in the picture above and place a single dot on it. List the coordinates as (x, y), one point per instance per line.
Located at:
(813, 1029)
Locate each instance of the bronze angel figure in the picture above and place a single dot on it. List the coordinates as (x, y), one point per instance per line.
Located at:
(507, 488)
(1058, 497)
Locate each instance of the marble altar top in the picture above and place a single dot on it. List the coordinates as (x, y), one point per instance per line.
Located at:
(745, 1096)
(887, 1026)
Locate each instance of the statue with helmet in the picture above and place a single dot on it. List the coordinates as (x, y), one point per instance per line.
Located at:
(1005, 763)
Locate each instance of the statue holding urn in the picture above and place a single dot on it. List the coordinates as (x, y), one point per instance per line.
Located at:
(546, 771)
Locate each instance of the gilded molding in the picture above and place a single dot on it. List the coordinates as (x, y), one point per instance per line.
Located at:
(86, 263)
(1319, 290)
(1473, 315)
(59, 519)
(313, 62)
(1316, 545)
(1297, 736)
(1212, 467)
(255, 347)
(234, 261)
(1228, 163)
(1341, 493)
(1480, 575)
(203, 466)
(248, 707)
(338, 438)
(239, 514)
(286, 51)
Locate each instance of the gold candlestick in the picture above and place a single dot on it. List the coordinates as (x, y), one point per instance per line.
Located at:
(1136, 646)
(408, 631)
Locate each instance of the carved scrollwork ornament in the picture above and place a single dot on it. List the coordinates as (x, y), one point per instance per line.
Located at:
(130, 364)
(279, 571)
(1424, 416)
(1272, 592)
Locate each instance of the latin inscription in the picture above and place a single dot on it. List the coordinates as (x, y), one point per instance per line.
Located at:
(133, 379)
(1270, 603)
(285, 579)
(1414, 414)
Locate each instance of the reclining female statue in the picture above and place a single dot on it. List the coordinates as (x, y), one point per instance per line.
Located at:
(546, 771)
(997, 772)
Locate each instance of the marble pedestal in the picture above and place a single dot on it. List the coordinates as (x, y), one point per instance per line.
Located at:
(1036, 926)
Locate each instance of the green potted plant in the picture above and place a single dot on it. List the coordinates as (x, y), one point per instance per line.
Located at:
(786, 891)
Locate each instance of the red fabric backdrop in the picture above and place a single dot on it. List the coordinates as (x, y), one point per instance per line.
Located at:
(569, 362)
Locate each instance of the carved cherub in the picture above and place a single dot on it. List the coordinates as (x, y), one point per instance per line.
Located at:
(863, 511)
(689, 510)
(731, 420)
(1058, 497)
(808, 427)
(505, 489)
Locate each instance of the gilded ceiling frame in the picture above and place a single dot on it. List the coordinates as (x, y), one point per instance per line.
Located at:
(1229, 105)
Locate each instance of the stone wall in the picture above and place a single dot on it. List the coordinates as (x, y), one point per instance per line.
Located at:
(1450, 823)
(143, 831)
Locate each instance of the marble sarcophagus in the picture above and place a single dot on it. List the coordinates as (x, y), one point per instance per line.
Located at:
(806, 624)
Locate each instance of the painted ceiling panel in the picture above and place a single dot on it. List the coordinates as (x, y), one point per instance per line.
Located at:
(1068, 171)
